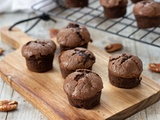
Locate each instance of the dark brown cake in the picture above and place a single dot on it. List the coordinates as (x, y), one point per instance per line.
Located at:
(73, 36)
(76, 3)
(114, 8)
(77, 58)
(125, 70)
(83, 88)
(39, 55)
(135, 1)
(147, 14)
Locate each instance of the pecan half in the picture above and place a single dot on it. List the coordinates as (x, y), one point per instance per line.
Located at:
(1, 51)
(113, 47)
(155, 67)
(53, 32)
(8, 105)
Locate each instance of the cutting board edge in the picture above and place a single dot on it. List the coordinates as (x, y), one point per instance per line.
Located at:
(146, 102)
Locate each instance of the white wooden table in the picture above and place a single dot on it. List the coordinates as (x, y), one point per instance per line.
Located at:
(26, 111)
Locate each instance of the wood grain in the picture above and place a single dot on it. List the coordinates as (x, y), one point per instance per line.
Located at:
(45, 92)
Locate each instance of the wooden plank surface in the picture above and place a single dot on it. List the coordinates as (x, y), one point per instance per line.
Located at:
(50, 98)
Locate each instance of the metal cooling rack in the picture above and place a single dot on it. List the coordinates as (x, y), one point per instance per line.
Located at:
(92, 16)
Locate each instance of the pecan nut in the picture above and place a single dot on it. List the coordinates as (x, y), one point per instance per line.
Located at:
(155, 67)
(8, 105)
(1, 51)
(53, 32)
(113, 47)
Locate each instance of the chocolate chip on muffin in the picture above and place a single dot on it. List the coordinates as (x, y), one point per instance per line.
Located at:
(125, 70)
(73, 36)
(83, 88)
(39, 55)
(77, 58)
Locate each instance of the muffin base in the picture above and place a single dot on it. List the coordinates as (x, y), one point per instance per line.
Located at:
(147, 22)
(114, 12)
(62, 48)
(76, 3)
(40, 65)
(124, 82)
(87, 104)
(135, 1)
(66, 72)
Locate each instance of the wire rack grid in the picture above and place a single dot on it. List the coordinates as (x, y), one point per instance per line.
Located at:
(93, 16)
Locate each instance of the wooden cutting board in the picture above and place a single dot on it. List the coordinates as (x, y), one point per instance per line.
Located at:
(45, 90)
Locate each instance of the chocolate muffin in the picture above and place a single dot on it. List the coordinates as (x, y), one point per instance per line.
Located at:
(124, 70)
(83, 88)
(73, 36)
(77, 58)
(147, 14)
(39, 55)
(76, 3)
(114, 8)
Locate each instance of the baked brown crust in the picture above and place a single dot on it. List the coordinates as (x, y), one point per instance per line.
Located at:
(39, 55)
(124, 70)
(83, 88)
(147, 8)
(135, 1)
(76, 58)
(76, 3)
(125, 65)
(114, 8)
(113, 3)
(83, 84)
(73, 36)
(38, 48)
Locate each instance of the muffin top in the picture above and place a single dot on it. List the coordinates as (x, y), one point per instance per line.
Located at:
(82, 84)
(73, 36)
(113, 3)
(77, 58)
(147, 8)
(125, 65)
(38, 48)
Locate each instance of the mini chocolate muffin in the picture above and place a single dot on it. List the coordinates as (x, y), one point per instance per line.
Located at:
(76, 3)
(147, 14)
(114, 8)
(39, 55)
(83, 88)
(73, 36)
(77, 58)
(124, 70)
